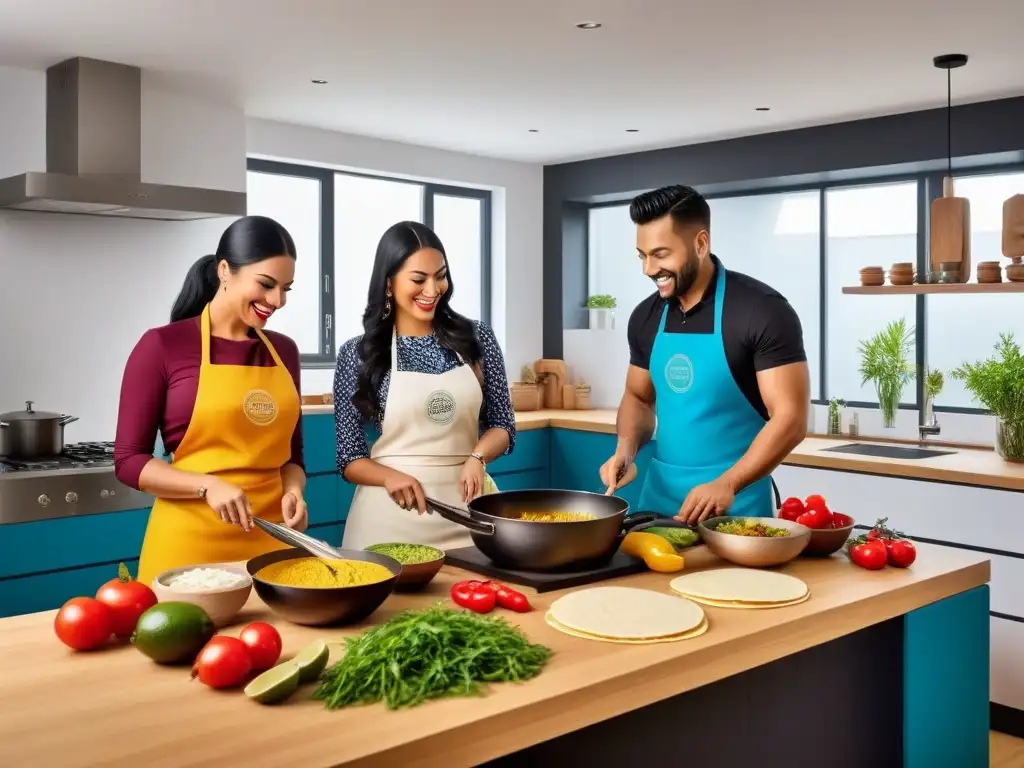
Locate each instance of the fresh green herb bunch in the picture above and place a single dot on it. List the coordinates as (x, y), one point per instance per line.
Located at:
(886, 360)
(997, 383)
(601, 301)
(421, 655)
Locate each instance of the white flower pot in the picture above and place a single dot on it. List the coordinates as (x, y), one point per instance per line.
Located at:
(602, 319)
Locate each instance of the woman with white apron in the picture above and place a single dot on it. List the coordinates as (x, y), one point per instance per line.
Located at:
(433, 384)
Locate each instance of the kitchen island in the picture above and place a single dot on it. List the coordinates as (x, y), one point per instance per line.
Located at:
(888, 666)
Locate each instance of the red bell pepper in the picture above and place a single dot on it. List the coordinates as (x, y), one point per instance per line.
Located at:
(512, 600)
(474, 595)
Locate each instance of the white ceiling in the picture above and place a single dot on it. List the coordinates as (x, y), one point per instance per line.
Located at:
(476, 75)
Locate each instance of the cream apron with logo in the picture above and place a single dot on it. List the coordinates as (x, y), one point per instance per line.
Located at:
(240, 431)
(431, 425)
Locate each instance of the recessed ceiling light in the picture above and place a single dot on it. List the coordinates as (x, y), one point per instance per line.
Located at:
(632, 130)
(534, 130)
(589, 25)
(762, 109)
(318, 82)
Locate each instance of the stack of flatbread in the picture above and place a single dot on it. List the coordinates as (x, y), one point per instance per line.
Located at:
(626, 615)
(741, 588)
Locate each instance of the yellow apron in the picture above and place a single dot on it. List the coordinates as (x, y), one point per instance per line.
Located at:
(241, 431)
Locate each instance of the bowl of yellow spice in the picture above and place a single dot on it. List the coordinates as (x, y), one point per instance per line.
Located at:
(304, 589)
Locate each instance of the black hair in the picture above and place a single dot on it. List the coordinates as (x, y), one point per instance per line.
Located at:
(248, 240)
(684, 204)
(453, 331)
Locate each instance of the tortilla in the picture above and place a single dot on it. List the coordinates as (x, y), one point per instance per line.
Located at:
(625, 613)
(740, 585)
(636, 641)
(739, 604)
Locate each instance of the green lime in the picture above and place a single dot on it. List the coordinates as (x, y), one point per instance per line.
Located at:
(172, 632)
(275, 685)
(312, 660)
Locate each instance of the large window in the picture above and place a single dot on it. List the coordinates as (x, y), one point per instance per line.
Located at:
(965, 327)
(866, 226)
(337, 219)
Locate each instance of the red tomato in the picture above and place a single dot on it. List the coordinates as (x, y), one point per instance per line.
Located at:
(901, 553)
(512, 600)
(264, 644)
(791, 509)
(223, 662)
(477, 596)
(127, 599)
(869, 554)
(83, 623)
(816, 518)
(815, 501)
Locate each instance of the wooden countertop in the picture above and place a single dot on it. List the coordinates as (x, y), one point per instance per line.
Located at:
(116, 708)
(966, 466)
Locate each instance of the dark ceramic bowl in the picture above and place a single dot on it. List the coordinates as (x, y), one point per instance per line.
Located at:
(321, 606)
(416, 576)
(828, 541)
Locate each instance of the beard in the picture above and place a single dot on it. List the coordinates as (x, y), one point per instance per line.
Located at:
(684, 279)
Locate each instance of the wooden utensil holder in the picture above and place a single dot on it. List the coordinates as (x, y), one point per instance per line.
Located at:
(951, 231)
(1013, 227)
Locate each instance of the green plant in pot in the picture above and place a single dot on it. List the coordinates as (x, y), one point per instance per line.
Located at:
(885, 359)
(601, 308)
(998, 384)
(933, 383)
(835, 415)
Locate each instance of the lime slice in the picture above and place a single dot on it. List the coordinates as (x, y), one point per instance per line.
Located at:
(312, 660)
(274, 685)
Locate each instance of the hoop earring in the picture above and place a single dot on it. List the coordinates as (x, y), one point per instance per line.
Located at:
(387, 306)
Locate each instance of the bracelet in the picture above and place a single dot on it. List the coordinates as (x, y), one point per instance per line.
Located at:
(479, 458)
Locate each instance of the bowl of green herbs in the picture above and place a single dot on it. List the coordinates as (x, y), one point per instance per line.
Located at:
(420, 563)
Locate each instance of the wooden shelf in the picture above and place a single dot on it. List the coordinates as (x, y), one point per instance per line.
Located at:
(904, 290)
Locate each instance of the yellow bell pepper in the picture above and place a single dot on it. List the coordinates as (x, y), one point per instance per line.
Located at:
(656, 552)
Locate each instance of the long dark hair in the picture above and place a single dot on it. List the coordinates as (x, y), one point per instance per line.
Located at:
(453, 331)
(248, 240)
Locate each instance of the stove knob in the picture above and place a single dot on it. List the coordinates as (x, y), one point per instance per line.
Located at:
(71, 497)
(104, 494)
(44, 500)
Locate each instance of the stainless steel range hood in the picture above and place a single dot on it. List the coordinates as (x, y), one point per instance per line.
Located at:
(94, 153)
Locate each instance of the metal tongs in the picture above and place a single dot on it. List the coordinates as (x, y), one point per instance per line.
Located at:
(319, 549)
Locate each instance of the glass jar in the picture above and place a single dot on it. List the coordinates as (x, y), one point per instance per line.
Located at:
(1010, 439)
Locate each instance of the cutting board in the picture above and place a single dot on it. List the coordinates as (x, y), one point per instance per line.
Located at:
(951, 231)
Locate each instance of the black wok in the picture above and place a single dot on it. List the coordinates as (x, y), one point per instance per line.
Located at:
(532, 546)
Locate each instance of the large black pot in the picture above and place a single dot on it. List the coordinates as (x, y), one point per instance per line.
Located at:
(531, 546)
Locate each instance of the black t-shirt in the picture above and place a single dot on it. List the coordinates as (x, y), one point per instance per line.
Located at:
(760, 330)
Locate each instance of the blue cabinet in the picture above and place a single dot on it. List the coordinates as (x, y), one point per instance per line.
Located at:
(318, 443)
(47, 591)
(322, 499)
(576, 459)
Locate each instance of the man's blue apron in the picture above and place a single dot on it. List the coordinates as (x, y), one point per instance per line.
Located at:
(705, 423)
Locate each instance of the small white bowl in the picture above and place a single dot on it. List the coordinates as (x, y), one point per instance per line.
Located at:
(221, 604)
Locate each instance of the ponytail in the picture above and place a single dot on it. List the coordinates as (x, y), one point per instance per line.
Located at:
(200, 287)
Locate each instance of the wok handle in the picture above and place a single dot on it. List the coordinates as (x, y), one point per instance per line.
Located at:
(632, 521)
(461, 518)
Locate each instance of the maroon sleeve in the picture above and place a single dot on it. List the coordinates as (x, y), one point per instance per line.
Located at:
(289, 352)
(143, 394)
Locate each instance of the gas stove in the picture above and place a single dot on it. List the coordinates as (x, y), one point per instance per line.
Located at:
(78, 482)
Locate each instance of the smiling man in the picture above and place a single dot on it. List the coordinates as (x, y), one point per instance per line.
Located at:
(717, 359)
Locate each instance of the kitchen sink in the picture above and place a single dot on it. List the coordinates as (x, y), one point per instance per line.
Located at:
(889, 451)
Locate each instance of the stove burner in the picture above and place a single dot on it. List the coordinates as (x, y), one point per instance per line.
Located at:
(75, 456)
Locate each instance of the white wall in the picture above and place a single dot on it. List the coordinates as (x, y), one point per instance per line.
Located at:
(78, 291)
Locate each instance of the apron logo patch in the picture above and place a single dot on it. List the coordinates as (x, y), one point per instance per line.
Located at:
(679, 373)
(259, 407)
(440, 407)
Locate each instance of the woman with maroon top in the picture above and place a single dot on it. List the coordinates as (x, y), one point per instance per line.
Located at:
(225, 397)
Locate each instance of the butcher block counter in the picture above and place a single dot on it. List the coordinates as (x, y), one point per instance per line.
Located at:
(748, 676)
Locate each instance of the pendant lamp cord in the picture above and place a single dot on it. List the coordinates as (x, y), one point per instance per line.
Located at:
(949, 122)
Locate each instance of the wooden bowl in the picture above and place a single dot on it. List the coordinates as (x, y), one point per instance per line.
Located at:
(755, 551)
(323, 606)
(221, 605)
(1015, 273)
(872, 279)
(902, 266)
(828, 541)
(416, 576)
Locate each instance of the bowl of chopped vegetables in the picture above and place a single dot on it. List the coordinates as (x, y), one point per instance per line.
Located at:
(755, 542)
(420, 563)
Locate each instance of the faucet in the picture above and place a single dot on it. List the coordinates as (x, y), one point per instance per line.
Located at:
(930, 426)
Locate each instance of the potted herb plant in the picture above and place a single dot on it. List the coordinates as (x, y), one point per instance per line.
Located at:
(835, 415)
(601, 307)
(933, 383)
(885, 359)
(998, 384)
